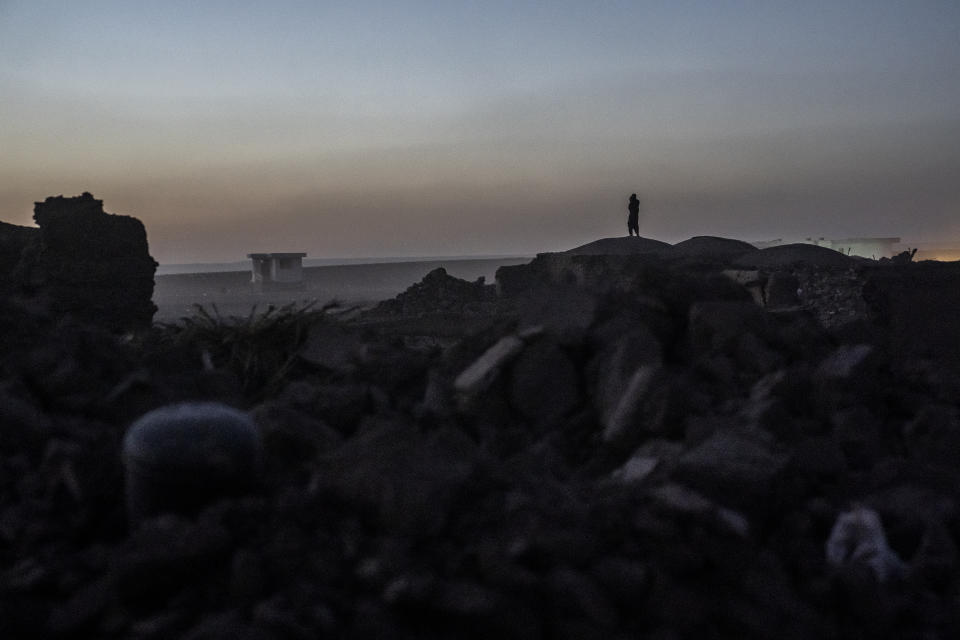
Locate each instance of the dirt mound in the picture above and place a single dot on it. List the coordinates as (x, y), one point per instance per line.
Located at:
(620, 246)
(712, 247)
(790, 254)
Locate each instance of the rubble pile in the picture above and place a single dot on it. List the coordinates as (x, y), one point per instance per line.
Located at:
(660, 456)
(440, 292)
(437, 311)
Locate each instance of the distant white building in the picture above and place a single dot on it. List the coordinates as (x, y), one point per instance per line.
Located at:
(874, 248)
(281, 270)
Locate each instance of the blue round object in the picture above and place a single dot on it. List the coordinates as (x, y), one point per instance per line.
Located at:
(180, 457)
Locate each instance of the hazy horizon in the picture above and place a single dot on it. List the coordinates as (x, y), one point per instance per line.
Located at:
(460, 128)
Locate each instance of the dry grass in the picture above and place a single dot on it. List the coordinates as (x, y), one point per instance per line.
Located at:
(260, 348)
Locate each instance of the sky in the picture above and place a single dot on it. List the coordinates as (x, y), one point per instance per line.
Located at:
(371, 129)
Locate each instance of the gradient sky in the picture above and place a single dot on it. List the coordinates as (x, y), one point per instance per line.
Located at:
(448, 128)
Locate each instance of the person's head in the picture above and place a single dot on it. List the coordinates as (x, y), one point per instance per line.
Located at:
(633, 196)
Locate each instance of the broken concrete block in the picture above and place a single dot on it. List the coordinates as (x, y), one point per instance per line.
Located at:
(635, 469)
(681, 499)
(479, 374)
(544, 384)
(780, 291)
(333, 346)
(844, 362)
(612, 368)
(752, 280)
(627, 409)
(858, 537)
(737, 467)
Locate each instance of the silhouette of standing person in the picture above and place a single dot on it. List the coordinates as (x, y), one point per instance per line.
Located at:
(633, 220)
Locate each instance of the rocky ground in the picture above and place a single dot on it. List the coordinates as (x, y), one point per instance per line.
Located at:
(643, 448)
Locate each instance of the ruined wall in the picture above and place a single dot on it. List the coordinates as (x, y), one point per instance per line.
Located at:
(87, 263)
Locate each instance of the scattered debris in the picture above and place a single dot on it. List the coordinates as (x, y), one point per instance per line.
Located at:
(669, 461)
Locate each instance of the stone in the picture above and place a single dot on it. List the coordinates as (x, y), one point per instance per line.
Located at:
(161, 625)
(166, 555)
(627, 413)
(332, 345)
(781, 291)
(858, 537)
(753, 280)
(936, 558)
(756, 356)
(481, 372)
(468, 599)
(845, 362)
(82, 607)
(719, 326)
(23, 426)
(681, 499)
(405, 481)
(515, 280)
(635, 469)
(764, 409)
(917, 305)
(291, 435)
(818, 457)
(341, 405)
(562, 310)
(544, 385)
(247, 576)
(579, 591)
(228, 624)
(612, 369)
(733, 467)
(624, 579)
(857, 432)
(933, 435)
(848, 377)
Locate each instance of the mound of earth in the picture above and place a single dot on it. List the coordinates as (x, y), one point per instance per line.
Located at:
(619, 247)
(713, 247)
(789, 254)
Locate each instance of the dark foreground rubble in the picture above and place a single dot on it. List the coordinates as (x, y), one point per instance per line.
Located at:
(657, 456)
